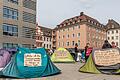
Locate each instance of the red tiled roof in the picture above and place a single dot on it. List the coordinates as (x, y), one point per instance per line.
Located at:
(82, 17)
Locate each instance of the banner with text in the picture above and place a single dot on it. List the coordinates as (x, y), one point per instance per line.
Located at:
(106, 57)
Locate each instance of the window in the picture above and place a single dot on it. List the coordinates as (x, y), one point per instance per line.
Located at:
(116, 31)
(63, 43)
(47, 45)
(78, 34)
(29, 4)
(59, 37)
(44, 38)
(10, 13)
(116, 37)
(47, 40)
(10, 30)
(108, 38)
(108, 32)
(28, 32)
(78, 26)
(112, 32)
(112, 37)
(13, 1)
(112, 26)
(44, 45)
(116, 43)
(68, 36)
(68, 29)
(59, 44)
(50, 46)
(63, 36)
(78, 42)
(73, 43)
(73, 27)
(68, 44)
(29, 17)
(9, 45)
(50, 39)
(73, 35)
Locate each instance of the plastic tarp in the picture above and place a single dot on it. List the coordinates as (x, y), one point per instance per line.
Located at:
(29, 63)
(62, 55)
(105, 61)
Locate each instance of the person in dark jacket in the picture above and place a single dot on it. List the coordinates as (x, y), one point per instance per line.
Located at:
(106, 45)
(76, 51)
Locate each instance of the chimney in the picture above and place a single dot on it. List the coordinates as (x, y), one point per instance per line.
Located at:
(82, 13)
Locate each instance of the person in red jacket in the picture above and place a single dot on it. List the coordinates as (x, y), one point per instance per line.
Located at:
(88, 50)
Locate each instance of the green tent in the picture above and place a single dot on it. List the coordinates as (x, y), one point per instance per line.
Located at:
(103, 61)
(62, 55)
(29, 63)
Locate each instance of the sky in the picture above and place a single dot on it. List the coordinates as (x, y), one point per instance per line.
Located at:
(51, 13)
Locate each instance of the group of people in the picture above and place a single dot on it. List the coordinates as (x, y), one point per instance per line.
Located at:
(108, 45)
(89, 49)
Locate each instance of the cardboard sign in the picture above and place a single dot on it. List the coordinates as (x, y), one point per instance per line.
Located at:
(106, 57)
(61, 54)
(32, 60)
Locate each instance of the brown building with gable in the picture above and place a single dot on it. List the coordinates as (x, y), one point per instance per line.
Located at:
(80, 29)
(43, 37)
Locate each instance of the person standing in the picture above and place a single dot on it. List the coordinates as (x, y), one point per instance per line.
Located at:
(86, 47)
(106, 45)
(76, 51)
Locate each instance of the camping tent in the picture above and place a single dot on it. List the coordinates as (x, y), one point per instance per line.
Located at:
(103, 61)
(29, 63)
(62, 55)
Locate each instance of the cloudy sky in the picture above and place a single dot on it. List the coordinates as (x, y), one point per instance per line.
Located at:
(52, 12)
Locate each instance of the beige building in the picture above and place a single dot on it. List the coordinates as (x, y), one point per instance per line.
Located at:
(113, 32)
(80, 29)
(18, 23)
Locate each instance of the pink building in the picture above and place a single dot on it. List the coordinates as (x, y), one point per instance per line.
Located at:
(80, 29)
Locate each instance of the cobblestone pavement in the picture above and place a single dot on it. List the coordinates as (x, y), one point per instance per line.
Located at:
(70, 72)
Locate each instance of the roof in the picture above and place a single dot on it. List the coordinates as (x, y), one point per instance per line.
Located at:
(76, 19)
(46, 31)
(112, 24)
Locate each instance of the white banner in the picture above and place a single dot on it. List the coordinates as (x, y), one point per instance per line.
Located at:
(32, 60)
(107, 57)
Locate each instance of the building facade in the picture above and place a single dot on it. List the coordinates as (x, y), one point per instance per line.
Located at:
(80, 29)
(18, 23)
(45, 37)
(39, 40)
(113, 32)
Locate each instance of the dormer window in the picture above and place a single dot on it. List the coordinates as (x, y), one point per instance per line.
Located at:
(69, 23)
(113, 26)
(78, 21)
(89, 21)
(60, 25)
